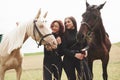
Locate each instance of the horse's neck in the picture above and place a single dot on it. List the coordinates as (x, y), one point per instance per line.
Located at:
(25, 38)
(29, 29)
(97, 38)
(102, 30)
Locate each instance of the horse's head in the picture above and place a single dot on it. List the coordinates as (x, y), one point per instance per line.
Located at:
(92, 14)
(91, 22)
(42, 34)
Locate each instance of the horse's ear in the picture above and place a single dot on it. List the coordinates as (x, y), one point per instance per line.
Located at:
(17, 23)
(38, 14)
(45, 14)
(101, 6)
(87, 4)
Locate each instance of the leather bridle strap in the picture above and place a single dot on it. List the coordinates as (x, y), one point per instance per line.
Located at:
(42, 39)
(89, 26)
(40, 34)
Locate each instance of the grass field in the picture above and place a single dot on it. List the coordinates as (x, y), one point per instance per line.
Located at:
(32, 67)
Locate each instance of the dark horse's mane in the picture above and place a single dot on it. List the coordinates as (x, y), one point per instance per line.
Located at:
(92, 30)
(100, 33)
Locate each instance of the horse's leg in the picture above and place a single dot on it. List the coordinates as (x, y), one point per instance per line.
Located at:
(2, 72)
(90, 64)
(18, 72)
(104, 67)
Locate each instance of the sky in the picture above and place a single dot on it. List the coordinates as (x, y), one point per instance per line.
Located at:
(12, 11)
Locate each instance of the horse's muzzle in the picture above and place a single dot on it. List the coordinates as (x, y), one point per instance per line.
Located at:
(51, 46)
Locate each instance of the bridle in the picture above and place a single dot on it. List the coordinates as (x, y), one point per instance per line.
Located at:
(40, 34)
(90, 28)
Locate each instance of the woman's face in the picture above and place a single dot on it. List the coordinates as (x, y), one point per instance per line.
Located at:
(55, 28)
(69, 24)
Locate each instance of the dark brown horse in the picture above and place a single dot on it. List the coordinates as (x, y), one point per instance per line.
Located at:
(92, 30)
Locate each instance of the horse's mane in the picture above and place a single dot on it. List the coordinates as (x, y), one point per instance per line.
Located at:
(13, 39)
(101, 32)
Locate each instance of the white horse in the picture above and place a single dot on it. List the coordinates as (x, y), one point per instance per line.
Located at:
(10, 56)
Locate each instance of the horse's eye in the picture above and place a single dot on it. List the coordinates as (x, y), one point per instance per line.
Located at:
(83, 15)
(44, 21)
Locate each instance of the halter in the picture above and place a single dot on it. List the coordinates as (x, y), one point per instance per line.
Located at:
(89, 27)
(40, 34)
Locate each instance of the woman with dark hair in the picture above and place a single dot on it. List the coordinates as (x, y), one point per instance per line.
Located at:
(52, 59)
(72, 55)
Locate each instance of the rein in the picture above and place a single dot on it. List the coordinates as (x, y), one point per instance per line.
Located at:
(40, 34)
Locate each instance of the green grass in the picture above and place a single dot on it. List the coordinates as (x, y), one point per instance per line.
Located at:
(33, 54)
(117, 44)
(37, 74)
(113, 70)
(26, 75)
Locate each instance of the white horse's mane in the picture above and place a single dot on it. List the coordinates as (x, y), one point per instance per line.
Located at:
(13, 39)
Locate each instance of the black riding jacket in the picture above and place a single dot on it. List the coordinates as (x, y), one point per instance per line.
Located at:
(56, 52)
(70, 44)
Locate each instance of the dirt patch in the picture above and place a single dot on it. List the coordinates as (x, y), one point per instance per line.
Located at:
(33, 62)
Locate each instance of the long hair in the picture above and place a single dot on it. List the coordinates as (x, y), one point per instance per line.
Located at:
(73, 21)
(62, 28)
(74, 31)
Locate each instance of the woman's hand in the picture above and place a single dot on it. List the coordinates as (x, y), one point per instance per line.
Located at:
(58, 40)
(85, 53)
(80, 55)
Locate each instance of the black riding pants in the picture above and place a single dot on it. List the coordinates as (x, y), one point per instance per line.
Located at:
(71, 67)
(52, 68)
